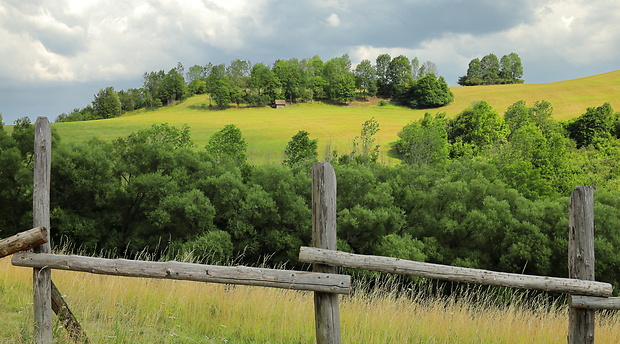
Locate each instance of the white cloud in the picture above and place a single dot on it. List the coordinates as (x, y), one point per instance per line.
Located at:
(81, 40)
(333, 20)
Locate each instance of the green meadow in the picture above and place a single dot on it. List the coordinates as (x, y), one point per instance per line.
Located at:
(268, 130)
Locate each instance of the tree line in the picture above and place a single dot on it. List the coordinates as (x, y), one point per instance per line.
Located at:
(491, 71)
(294, 80)
(482, 189)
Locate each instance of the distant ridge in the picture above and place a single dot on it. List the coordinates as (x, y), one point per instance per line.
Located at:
(267, 131)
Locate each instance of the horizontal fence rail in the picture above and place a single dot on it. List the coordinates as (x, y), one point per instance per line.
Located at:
(286, 279)
(23, 241)
(593, 302)
(452, 273)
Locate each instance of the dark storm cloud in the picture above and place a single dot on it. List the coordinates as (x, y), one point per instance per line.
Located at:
(303, 26)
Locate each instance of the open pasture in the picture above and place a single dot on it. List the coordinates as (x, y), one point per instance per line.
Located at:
(268, 130)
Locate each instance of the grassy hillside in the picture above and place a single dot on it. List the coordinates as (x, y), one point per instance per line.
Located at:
(268, 130)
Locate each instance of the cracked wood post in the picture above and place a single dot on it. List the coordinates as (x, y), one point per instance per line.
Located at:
(581, 259)
(42, 278)
(326, 312)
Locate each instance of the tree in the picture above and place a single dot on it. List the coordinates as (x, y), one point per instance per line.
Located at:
(490, 69)
(364, 149)
(340, 81)
(427, 68)
(196, 83)
(216, 73)
(366, 78)
(239, 72)
(415, 68)
(594, 127)
(313, 81)
(475, 129)
(221, 93)
(429, 92)
(264, 82)
(399, 76)
(15, 180)
(511, 69)
(424, 141)
(301, 151)
(383, 81)
(172, 87)
(290, 75)
(403, 247)
(228, 144)
(474, 74)
(107, 104)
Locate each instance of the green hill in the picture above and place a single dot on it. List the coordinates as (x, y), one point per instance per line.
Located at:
(268, 130)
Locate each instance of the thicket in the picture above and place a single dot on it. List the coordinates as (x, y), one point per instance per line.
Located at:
(294, 80)
(491, 71)
(480, 190)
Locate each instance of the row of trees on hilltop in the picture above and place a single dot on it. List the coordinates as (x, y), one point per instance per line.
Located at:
(242, 82)
(483, 190)
(491, 71)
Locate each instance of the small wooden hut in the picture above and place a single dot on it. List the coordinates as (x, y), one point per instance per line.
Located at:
(280, 103)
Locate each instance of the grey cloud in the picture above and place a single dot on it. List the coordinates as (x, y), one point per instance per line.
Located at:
(58, 31)
(150, 35)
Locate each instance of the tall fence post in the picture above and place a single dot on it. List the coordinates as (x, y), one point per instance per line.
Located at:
(581, 259)
(327, 314)
(42, 278)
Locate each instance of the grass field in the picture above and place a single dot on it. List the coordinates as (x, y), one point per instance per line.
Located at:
(267, 130)
(134, 310)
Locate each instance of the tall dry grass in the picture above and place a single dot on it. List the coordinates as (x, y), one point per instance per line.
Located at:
(135, 310)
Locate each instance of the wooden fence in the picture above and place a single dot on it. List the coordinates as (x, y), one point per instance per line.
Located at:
(585, 294)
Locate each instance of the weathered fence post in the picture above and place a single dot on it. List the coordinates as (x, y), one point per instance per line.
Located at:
(581, 259)
(42, 278)
(327, 314)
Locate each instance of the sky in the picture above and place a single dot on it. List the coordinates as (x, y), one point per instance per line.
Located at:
(56, 54)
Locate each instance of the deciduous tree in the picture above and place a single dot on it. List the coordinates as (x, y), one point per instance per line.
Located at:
(300, 152)
(107, 104)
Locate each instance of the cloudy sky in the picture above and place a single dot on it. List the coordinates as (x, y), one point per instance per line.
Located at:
(56, 54)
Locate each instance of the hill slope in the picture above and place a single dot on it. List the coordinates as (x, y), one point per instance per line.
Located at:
(267, 130)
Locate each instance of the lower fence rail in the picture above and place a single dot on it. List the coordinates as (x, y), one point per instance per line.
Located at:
(453, 273)
(592, 302)
(286, 279)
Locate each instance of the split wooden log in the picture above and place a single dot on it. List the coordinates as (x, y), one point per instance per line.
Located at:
(66, 317)
(23, 241)
(453, 273)
(286, 279)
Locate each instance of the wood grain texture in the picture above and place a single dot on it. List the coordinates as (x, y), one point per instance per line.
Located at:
(453, 273)
(23, 241)
(326, 311)
(581, 259)
(593, 302)
(42, 278)
(287, 279)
